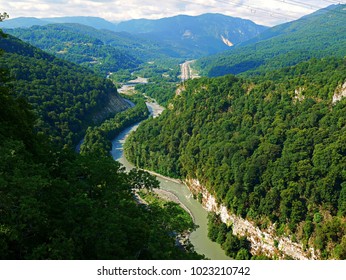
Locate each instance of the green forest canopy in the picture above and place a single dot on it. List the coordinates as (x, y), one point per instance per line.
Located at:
(56, 204)
(271, 149)
(314, 36)
(64, 96)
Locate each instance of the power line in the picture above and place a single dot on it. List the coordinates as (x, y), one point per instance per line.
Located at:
(290, 2)
(316, 7)
(299, 4)
(255, 9)
(274, 14)
(334, 2)
(305, 5)
(252, 9)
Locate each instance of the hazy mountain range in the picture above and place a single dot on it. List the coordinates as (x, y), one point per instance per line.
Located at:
(317, 35)
(186, 36)
(229, 45)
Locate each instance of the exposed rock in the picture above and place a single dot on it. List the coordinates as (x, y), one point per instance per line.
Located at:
(298, 94)
(115, 105)
(262, 241)
(188, 34)
(180, 89)
(226, 41)
(339, 93)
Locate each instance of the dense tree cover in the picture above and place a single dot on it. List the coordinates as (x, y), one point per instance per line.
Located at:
(56, 204)
(79, 47)
(121, 55)
(162, 77)
(318, 35)
(162, 80)
(59, 205)
(102, 50)
(180, 220)
(121, 76)
(271, 149)
(237, 248)
(162, 91)
(98, 139)
(158, 70)
(64, 96)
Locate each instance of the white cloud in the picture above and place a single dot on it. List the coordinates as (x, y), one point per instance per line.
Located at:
(268, 12)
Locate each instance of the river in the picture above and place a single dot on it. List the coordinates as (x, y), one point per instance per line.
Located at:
(199, 238)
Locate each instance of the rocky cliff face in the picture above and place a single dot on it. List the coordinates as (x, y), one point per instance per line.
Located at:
(115, 105)
(339, 93)
(262, 241)
(226, 41)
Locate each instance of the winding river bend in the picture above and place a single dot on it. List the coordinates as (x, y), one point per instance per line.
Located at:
(198, 237)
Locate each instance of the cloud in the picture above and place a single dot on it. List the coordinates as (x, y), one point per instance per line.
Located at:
(267, 12)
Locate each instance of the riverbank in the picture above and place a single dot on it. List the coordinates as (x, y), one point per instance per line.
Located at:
(263, 241)
(178, 191)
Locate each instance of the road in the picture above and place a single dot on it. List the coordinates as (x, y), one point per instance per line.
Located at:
(186, 72)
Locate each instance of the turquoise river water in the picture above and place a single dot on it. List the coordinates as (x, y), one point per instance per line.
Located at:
(198, 238)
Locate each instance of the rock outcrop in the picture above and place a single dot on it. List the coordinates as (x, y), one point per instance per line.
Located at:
(340, 92)
(115, 105)
(262, 241)
(226, 41)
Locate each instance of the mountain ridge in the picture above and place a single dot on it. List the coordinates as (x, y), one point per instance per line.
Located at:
(316, 35)
(187, 36)
(208, 32)
(27, 22)
(64, 95)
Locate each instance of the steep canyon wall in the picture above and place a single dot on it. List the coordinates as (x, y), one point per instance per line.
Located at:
(264, 242)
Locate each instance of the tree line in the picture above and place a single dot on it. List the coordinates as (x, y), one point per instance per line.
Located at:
(270, 148)
(57, 204)
(98, 139)
(65, 96)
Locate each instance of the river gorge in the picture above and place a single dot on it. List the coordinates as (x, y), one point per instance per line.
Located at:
(262, 241)
(199, 238)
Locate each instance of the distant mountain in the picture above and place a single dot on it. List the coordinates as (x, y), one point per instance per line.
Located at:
(195, 35)
(26, 22)
(96, 22)
(83, 45)
(102, 50)
(180, 36)
(317, 35)
(22, 22)
(330, 17)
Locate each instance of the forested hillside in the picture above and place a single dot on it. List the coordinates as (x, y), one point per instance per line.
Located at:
(181, 36)
(63, 95)
(101, 50)
(317, 35)
(194, 36)
(81, 45)
(98, 139)
(55, 203)
(271, 149)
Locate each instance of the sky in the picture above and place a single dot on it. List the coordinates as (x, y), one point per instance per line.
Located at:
(265, 12)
